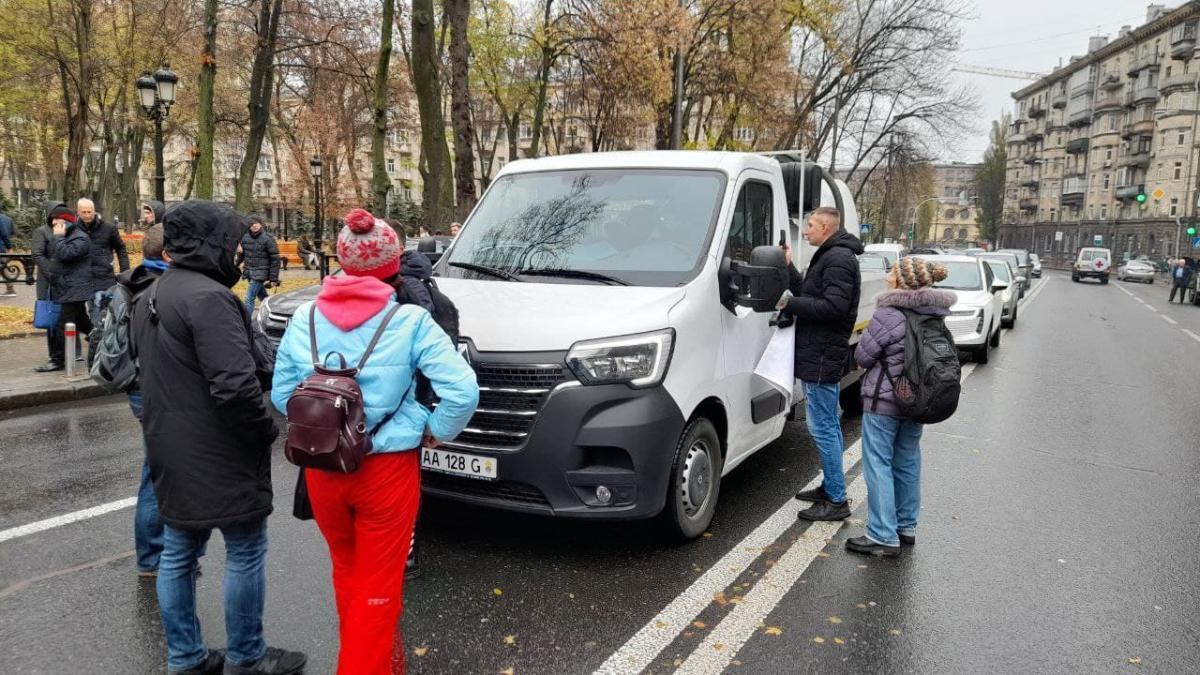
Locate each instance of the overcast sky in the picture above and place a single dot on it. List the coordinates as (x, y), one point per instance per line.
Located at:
(1031, 35)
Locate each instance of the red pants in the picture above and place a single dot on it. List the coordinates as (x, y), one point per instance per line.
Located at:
(367, 518)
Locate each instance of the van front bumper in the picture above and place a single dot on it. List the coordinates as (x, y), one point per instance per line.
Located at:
(581, 438)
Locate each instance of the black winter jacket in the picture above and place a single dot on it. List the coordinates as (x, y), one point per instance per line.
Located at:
(260, 255)
(43, 259)
(208, 435)
(105, 241)
(71, 271)
(825, 305)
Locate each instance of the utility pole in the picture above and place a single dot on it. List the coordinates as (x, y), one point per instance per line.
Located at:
(887, 193)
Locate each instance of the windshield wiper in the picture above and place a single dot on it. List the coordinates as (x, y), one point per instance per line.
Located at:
(572, 274)
(491, 271)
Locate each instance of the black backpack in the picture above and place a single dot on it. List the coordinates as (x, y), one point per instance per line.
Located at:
(928, 388)
(114, 366)
(445, 314)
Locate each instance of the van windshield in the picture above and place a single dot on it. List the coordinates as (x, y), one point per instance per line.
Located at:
(636, 227)
(1093, 253)
(963, 276)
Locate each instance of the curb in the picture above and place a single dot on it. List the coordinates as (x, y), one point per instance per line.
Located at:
(28, 334)
(61, 392)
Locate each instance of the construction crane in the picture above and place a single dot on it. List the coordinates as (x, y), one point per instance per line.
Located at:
(996, 72)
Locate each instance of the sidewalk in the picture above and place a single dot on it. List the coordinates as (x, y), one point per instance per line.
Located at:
(20, 387)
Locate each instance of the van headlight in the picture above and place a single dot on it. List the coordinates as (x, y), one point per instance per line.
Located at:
(260, 316)
(637, 360)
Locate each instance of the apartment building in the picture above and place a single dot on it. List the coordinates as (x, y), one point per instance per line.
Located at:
(954, 220)
(1105, 146)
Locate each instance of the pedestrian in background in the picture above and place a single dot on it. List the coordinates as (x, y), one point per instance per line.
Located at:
(152, 214)
(208, 439)
(71, 281)
(455, 228)
(1181, 278)
(104, 240)
(890, 442)
(43, 258)
(6, 245)
(825, 305)
(367, 517)
(259, 257)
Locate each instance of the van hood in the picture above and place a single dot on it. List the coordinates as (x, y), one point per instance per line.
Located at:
(502, 316)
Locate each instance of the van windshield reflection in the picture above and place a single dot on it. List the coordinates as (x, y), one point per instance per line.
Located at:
(616, 227)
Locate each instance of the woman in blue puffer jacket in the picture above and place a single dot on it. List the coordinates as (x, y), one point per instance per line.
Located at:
(891, 443)
(367, 517)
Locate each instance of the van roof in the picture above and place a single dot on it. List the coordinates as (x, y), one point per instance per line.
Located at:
(729, 162)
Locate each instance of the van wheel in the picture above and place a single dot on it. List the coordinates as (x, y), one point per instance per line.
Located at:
(851, 399)
(1075, 278)
(695, 481)
(995, 341)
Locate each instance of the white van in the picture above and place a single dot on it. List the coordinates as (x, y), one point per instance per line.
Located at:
(892, 252)
(1092, 262)
(605, 306)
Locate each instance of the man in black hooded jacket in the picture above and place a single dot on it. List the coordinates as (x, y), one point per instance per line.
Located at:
(825, 305)
(208, 440)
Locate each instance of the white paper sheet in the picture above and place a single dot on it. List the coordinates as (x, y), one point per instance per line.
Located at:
(778, 362)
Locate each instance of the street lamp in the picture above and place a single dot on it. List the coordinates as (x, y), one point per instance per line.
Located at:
(157, 94)
(314, 169)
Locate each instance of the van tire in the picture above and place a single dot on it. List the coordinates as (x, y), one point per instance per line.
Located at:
(699, 448)
(851, 399)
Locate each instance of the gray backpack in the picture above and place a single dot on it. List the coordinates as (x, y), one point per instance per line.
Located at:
(113, 364)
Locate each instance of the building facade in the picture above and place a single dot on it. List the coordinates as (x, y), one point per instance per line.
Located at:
(954, 220)
(1104, 148)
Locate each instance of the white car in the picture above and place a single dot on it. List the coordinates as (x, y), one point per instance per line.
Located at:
(890, 252)
(1009, 297)
(1037, 265)
(974, 320)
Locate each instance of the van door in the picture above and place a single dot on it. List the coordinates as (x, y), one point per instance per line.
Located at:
(744, 333)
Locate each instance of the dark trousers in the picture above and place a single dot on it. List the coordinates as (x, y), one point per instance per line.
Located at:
(72, 312)
(1182, 292)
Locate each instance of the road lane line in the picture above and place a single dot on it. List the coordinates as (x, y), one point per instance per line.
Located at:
(1192, 335)
(65, 519)
(1149, 307)
(1139, 299)
(1125, 291)
(1169, 320)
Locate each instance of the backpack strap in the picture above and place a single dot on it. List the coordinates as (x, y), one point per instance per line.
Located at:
(312, 336)
(374, 338)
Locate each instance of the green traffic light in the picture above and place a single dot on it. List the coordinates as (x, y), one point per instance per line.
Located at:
(1141, 198)
(1191, 231)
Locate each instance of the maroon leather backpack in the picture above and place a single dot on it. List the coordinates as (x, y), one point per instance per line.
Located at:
(327, 422)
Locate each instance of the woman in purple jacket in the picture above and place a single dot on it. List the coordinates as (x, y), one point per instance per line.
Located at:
(891, 443)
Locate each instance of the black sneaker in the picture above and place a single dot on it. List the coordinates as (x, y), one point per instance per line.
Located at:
(826, 511)
(868, 547)
(816, 494)
(908, 539)
(211, 666)
(49, 367)
(275, 662)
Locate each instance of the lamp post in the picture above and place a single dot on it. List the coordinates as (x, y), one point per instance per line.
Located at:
(314, 169)
(157, 94)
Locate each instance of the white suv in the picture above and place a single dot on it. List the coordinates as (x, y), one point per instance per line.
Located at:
(1092, 262)
(974, 320)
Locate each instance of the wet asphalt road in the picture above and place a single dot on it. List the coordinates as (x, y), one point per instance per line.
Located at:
(1059, 534)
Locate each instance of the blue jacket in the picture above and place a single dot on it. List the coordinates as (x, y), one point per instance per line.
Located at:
(411, 341)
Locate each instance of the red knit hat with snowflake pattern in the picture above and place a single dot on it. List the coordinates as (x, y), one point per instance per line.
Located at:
(368, 247)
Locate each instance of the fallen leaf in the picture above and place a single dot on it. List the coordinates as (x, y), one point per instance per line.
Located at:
(835, 620)
(773, 630)
(677, 662)
(708, 535)
(719, 598)
(770, 563)
(720, 646)
(736, 600)
(871, 603)
(894, 631)
(822, 554)
(700, 624)
(508, 671)
(660, 624)
(736, 663)
(497, 591)
(737, 589)
(421, 651)
(510, 639)
(571, 596)
(954, 517)
(861, 606)
(839, 641)
(819, 640)
(1061, 561)
(1157, 607)
(1135, 660)
(862, 567)
(688, 633)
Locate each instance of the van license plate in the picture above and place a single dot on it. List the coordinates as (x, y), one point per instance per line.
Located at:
(458, 464)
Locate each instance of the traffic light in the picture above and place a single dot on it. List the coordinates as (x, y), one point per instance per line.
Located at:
(1141, 197)
(1191, 230)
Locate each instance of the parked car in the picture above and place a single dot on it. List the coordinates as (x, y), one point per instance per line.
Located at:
(1092, 263)
(873, 262)
(1009, 297)
(974, 320)
(892, 252)
(1025, 266)
(1136, 270)
(974, 251)
(1037, 265)
(927, 251)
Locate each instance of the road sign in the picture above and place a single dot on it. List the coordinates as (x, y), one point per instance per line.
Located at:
(865, 227)
(1058, 236)
(1196, 242)
(1098, 240)
(1158, 193)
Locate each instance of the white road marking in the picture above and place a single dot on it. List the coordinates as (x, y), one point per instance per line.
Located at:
(1139, 299)
(65, 519)
(1149, 307)
(1168, 319)
(1125, 291)
(1192, 335)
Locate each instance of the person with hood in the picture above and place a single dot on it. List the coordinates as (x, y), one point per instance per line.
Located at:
(43, 260)
(367, 516)
(152, 214)
(415, 271)
(105, 240)
(208, 440)
(891, 443)
(147, 525)
(70, 280)
(260, 257)
(824, 303)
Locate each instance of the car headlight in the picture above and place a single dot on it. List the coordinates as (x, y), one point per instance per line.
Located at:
(260, 316)
(637, 360)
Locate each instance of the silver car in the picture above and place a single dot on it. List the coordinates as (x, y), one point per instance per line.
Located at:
(1010, 297)
(1136, 270)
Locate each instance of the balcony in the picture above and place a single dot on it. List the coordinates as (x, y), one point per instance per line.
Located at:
(1078, 146)
(1016, 138)
(1183, 41)
(1177, 82)
(1144, 128)
(1028, 203)
(1084, 88)
(1110, 82)
(1150, 60)
(1111, 101)
(1058, 100)
(1128, 192)
(1036, 111)
(1080, 118)
(1140, 159)
(1033, 160)
(1141, 95)
(1031, 183)
(1035, 133)
(1073, 190)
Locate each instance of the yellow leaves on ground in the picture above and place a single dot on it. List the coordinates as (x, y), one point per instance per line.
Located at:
(497, 592)
(819, 640)
(508, 671)
(838, 640)
(1136, 660)
(773, 630)
(861, 606)
(660, 624)
(894, 631)
(720, 599)
(15, 320)
(421, 651)
(835, 620)
(510, 639)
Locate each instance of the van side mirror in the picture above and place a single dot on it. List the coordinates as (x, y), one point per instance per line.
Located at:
(998, 286)
(762, 280)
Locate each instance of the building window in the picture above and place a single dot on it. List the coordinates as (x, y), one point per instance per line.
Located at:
(1104, 212)
(391, 165)
(1174, 207)
(1178, 171)
(1108, 155)
(1162, 139)
(1181, 137)
(526, 132)
(1107, 177)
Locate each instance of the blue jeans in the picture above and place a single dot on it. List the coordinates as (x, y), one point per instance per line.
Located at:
(825, 427)
(147, 525)
(245, 593)
(255, 292)
(892, 467)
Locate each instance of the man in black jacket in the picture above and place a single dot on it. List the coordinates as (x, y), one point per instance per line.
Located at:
(70, 280)
(208, 440)
(105, 240)
(825, 305)
(152, 213)
(43, 259)
(260, 259)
